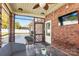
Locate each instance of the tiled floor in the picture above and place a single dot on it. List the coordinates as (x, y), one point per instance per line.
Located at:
(35, 50)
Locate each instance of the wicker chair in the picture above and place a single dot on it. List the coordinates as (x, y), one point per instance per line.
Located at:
(29, 40)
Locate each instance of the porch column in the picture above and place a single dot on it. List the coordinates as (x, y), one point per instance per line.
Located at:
(0, 26)
(12, 32)
(0, 32)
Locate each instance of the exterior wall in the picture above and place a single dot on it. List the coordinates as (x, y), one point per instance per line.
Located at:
(67, 35)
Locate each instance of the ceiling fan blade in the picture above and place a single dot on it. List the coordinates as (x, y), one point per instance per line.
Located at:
(36, 6)
(46, 7)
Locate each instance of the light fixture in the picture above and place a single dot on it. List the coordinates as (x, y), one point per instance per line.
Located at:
(42, 13)
(42, 4)
(20, 9)
(67, 6)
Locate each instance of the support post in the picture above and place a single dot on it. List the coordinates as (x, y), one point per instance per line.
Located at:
(12, 29)
(0, 31)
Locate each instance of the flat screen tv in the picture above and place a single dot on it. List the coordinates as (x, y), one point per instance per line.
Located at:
(68, 19)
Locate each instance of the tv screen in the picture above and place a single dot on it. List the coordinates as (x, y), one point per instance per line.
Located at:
(71, 18)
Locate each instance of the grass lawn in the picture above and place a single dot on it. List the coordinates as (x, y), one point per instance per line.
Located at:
(4, 33)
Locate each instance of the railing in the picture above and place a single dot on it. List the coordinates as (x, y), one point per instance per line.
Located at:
(16, 31)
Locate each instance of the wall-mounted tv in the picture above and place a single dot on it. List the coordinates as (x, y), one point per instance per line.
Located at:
(68, 19)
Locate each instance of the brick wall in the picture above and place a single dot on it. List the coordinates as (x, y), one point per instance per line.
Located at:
(68, 34)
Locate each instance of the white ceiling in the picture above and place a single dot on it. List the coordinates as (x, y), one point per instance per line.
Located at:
(27, 8)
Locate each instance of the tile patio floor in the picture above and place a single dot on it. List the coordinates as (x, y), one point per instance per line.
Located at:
(32, 52)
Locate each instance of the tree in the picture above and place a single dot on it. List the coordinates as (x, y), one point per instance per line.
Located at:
(73, 18)
(4, 23)
(5, 19)
(17, 25)
(30, 25)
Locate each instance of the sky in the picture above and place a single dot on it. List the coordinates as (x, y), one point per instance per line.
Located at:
(23, 20)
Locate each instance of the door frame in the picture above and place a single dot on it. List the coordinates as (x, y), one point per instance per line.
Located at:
(49, 21)
(43, 26)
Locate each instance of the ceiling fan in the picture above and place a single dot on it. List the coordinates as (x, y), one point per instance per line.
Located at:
(45, 6)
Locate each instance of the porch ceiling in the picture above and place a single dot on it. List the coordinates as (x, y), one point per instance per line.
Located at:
(27, 9)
